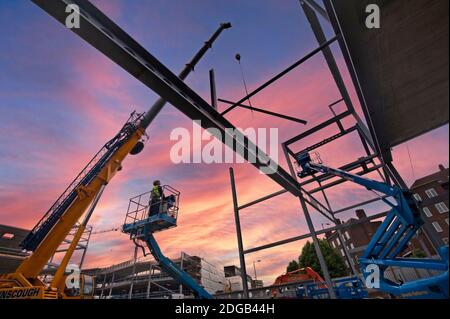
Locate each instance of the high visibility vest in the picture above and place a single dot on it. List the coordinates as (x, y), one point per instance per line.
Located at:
(155, 192)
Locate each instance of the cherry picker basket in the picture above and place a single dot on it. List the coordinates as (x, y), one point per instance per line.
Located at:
(145, 215)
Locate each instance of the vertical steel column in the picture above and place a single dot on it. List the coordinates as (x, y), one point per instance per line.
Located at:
(181, 267)
(339, 233)
(319, 253)
(212, 85)
(111, 283)
(103, 286)
(323, 264)
(239, 236)
(130, 293)
(149, 280)
(85, 249)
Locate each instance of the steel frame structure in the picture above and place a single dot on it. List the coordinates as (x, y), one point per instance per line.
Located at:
(102, 33)
(372, 161)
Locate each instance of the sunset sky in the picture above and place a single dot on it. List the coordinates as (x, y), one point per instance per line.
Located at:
(61, 100)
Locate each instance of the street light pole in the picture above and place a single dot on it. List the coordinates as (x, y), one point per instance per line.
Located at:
(254, 268)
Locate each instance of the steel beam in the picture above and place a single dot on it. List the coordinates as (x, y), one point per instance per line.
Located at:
(252, 108)
(259, 200)
(106, 36)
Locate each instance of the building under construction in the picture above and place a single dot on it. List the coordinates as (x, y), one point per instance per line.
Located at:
(144, 279)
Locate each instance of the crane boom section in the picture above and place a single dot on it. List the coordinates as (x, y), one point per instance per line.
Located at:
(32, 266)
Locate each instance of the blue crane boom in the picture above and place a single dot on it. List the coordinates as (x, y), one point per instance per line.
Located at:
(392, 237)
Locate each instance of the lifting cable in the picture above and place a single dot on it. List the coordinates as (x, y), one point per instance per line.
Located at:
(238, 58)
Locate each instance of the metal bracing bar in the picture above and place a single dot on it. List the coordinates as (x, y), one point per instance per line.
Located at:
(321, 47)
(346, 209)
(280, 192)
(314, 5)
(308, 235)
(313, 202)
(318, 209)
(252, 108)
(239, 235)
(329, 139)
(102, 33)
(334, 69)
(339, 124)
(317, 128)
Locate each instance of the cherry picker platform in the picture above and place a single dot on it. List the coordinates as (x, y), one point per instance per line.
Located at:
(146, 217)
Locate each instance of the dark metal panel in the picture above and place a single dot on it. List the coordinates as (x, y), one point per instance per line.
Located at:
(401, 68)
(103, 34)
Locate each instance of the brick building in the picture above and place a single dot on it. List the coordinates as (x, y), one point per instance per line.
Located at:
(356, 235)
(432, 191)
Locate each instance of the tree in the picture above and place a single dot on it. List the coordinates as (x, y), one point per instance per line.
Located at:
(334, 261)
(293, 265)
(418, 253)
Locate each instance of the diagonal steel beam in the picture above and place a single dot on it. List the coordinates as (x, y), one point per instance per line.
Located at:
(106, 36)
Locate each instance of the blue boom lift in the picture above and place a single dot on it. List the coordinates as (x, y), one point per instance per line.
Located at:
(392, 237)
(145, 218)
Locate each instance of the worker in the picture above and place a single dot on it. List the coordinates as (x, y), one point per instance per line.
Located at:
(156, 198)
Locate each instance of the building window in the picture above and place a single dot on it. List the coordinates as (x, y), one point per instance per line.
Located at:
(347, 235)
(431, 193)
(351, 246)
(427, 212)
(446, 220)
(445, 240)
(333, 245)
(441, 207)
(417, 197)
(342, 252)
(437, 227)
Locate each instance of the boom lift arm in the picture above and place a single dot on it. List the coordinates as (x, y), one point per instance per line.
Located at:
(393, 235)
(173, 270)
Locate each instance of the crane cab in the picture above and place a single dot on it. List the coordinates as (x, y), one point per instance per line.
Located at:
(146, 215)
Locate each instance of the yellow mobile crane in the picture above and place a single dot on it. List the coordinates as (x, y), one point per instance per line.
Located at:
(79, 199)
